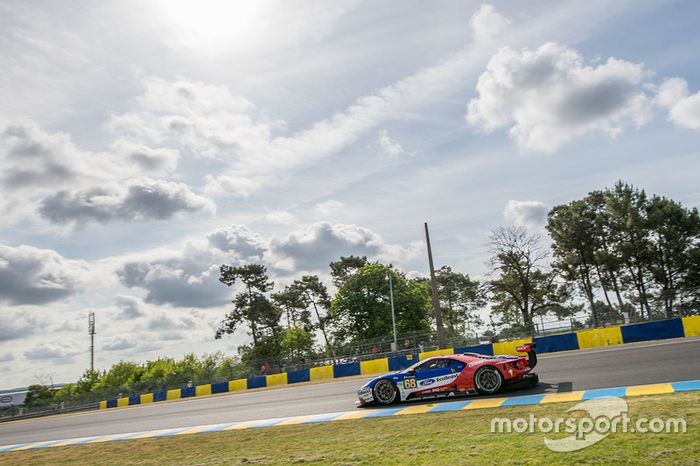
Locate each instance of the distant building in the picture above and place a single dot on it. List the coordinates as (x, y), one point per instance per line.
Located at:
(15, 398)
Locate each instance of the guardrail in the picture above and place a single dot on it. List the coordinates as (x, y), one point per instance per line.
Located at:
(51, 412)
(581, 339)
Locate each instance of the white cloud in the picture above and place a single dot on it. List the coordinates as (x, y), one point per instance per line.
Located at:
(130, 307)
(190, 278)
(388, 146)
(487, 23)
(59, 351)
(147, 159)
(119, 343)
(30, 157)
(7, 356)
(281, 217)
(239, 240)
(327, 208)
(550, 96)
(141, 199)
(166, 322)
(187, 278)
(19, 325)
(683, 108)
(529, 214)
(314, 247)
(29, 275)
(47, 170)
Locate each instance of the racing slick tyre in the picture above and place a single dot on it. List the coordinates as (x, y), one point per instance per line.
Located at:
(385, 392)
(488, 380)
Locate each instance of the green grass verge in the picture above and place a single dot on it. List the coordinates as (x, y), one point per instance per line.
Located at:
(441, 438)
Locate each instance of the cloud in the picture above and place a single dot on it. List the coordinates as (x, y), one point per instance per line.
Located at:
(529, 214)
(59, 351)
(130, 307)
(189, 278)
(281, 217)
(314, 247)
(487, 23)
(388, 146)
(143, 199)
(18, 325)
(683, 108)
(7, 356)
(148, 159)
(29, 275)
(118, 343)
(240, 240)
(165, 322)
(68, 185)
(30, 157)
(327, 208)
(550, 96)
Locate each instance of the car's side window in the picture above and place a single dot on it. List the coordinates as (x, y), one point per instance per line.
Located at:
(457, 366)
(434, 364)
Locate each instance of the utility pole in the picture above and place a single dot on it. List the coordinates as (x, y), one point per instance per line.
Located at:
(91, 331)
(436, 302)
(393, 314)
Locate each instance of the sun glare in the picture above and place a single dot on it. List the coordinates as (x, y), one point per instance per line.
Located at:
(212, 23)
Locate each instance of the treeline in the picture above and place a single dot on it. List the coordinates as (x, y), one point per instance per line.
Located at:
(616, 255)
(283, 325)
(129, 377)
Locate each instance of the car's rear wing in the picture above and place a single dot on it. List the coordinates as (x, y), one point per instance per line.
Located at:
(529, 348)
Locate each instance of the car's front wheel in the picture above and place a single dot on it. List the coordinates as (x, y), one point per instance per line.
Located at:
(488, 380)
(385, 392)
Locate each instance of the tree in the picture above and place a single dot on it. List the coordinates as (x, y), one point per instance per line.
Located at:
(460, 298)
(121, 375)
(297, 341)
(361, 309)
(626, 207)
(87, 381)
(314, 293)
(38, 395)
(675, 233)
(159, 373)
(574, 245)
(522, 287)
(346, 267)
(293, 305)
(251, 306)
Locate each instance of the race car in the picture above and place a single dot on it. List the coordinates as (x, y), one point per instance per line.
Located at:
(457, 374)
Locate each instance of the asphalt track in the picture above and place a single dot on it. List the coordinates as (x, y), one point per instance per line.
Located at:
(632, 364)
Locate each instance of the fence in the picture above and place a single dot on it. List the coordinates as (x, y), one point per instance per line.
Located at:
(581, 339)
(550, 334)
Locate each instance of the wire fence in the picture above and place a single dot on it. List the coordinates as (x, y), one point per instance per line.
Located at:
(407, 343)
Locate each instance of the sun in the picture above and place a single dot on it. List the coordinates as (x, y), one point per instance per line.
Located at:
(212, 23)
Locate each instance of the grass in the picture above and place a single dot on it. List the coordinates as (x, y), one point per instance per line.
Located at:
(442, 438)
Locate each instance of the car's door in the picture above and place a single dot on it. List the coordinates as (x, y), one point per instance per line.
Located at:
(436, 375)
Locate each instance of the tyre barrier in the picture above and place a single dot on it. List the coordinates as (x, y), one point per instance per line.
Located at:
(582, 339)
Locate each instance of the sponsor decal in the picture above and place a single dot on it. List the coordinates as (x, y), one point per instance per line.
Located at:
(425, 382)
(446, 377)
(6, 399)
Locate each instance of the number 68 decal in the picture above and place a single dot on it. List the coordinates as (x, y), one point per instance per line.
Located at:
(409, 383)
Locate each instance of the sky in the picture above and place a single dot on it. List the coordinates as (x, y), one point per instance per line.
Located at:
(145, 143)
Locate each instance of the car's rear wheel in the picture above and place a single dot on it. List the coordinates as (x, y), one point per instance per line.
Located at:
(488, 380)
(385, 392)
